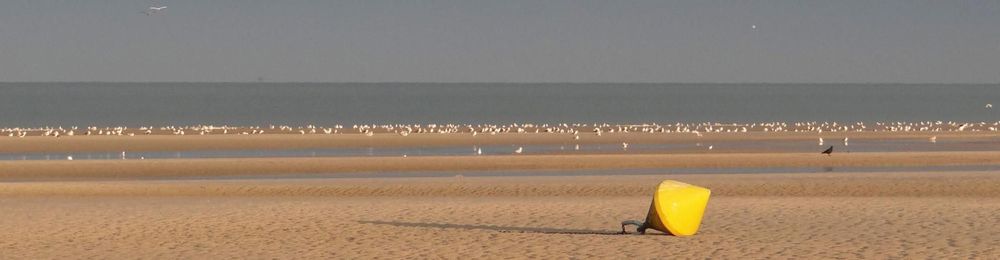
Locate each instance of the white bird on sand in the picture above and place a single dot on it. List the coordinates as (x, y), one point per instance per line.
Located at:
(821, 141)
(845, 141)
(479, 151)
(519, 150)
(624, 146)
(933, 139)
(69, 158)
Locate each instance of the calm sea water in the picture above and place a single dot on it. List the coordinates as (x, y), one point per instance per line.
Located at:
(135, 104)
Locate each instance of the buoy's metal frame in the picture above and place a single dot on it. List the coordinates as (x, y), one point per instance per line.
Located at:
(640, 226)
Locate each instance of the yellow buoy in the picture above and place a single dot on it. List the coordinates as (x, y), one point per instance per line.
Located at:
(677, 209)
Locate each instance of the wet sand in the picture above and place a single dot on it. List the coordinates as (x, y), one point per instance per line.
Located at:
(163, 142)
(208, 168)
(857, 215)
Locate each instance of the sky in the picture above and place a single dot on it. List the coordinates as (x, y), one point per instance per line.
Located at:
(803, 41)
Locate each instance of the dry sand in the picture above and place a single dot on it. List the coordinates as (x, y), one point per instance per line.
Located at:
(222, 208)
(855, 215)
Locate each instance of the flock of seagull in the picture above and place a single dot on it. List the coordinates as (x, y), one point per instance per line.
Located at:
(576, 130)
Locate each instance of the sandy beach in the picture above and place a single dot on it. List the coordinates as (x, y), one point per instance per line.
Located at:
(857, 215)
(303, 207)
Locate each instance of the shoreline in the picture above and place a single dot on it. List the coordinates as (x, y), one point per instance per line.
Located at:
(35, 144)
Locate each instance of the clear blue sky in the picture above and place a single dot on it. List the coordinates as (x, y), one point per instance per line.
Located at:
(910, 41)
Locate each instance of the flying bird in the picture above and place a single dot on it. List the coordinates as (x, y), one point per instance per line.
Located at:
(154, 9)
(829, 151)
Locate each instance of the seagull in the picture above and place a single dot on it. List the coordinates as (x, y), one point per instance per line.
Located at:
(989, 105)
(821, 141)
(154, 9)
(519, 150)
(845, 141)
(624, 146)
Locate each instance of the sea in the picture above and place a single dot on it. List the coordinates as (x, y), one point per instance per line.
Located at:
(261, 104)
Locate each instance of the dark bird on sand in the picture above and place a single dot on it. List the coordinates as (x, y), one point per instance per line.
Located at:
(829, 151)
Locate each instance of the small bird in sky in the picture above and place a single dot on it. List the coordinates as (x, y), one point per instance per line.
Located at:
(753, 27)
(154, 9)
(989, 105)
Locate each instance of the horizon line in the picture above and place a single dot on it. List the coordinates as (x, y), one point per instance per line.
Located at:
(517, 82)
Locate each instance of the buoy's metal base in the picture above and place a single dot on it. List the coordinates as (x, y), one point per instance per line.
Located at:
(640, 227)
